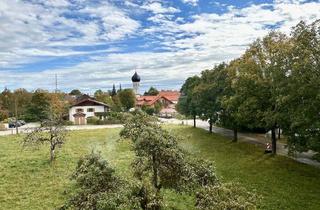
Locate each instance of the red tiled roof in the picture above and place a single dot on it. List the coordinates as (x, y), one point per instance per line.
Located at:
(171, 96)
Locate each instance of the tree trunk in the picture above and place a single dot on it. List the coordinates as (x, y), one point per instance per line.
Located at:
(235, 135)
(52, 153)
(274, 141)
(194, 121)
(279, 133)
(210, 126)
(155, 173)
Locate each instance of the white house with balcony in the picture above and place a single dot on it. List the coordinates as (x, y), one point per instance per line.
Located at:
(88, 107)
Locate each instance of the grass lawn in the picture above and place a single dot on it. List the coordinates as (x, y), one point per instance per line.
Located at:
(27, 181)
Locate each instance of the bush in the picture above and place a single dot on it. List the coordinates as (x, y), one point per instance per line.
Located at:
(98, 187)
(225, 196)
(2, 127)
(150, 110)
(67, 122)
(92, 120)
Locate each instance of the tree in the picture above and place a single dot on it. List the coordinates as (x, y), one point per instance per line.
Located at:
(50, 132)
(114, 91)
(116, 104)
(39, 107)
(7, 101)
(301, 95)
(58, 106)
(187, 104)
(104, 97)
(23, 100)
(98, 186)
(161, 163)
(151, 92)
(259, 80)
(127, 99)
(209, 94)
(75, 92)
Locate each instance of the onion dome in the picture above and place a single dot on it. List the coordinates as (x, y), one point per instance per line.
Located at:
(135, 77)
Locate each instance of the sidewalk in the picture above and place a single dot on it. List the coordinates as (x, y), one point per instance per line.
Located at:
(258, 139)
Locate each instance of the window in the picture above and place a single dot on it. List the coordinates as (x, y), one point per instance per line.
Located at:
(79, 110)
(90, 110)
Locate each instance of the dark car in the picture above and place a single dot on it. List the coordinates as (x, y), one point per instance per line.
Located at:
(14, 124)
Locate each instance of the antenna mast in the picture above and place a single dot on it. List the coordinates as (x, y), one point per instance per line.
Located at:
(56, 83)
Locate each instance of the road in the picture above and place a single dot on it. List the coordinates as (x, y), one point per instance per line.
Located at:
(252, 138)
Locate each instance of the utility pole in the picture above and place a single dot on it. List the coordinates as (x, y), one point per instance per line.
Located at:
(56, 77)
(16, 114)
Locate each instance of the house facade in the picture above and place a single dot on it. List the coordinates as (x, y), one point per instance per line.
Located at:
(88, 107)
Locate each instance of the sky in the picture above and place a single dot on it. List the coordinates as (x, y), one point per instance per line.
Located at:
(93, 44)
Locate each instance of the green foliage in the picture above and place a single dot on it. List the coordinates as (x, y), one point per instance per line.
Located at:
(114, 91)
(98, 187)
(275, 83)
(104, 97)
(39, 108)
(150, 110)
(3, 114)
(157, 107)
(187, 104)
(135, 125)
(226, 196)
(92, 120)
(75, 92)
(161, 163)
(151, 92)
(302, 96)
(117, 106)
(49, 187)
(127, 99)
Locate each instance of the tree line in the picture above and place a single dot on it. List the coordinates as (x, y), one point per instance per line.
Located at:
(274, 84)
(39, 105)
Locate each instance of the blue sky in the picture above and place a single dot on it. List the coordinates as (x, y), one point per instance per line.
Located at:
(92, 44)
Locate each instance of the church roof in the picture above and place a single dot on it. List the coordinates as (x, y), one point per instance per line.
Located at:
(135, 77)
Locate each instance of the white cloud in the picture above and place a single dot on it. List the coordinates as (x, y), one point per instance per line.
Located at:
(158, 8)
(185, 46)
(192, 2)
(41, 27)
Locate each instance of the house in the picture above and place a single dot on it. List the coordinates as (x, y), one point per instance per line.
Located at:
(167, 99)
(86, 107)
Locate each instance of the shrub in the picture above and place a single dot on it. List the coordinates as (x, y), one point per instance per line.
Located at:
(2, 127)
(225, 196)
(67, 122)
(92, 120)
(98, 187)
(150, 110)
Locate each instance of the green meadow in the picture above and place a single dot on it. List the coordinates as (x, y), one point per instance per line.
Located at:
(29, 181)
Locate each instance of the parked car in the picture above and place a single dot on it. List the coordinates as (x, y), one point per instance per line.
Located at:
(22, 122)
(18, 123)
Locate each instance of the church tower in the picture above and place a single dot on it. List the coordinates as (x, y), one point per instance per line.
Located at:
(136, 83)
